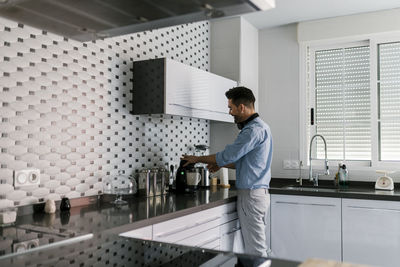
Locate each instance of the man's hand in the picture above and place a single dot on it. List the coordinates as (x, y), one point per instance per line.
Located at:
(189, 159)
(213, 167)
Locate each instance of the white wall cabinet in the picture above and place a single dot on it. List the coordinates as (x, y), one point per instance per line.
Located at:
(371, 232)
(165, 86)
(304, 227)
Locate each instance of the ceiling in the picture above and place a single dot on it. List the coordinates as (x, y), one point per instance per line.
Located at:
(291, 11)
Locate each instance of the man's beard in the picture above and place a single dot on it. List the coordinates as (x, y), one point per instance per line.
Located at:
(236, 119)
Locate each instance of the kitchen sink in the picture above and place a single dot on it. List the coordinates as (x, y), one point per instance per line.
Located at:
(327, 188)
(320, 188)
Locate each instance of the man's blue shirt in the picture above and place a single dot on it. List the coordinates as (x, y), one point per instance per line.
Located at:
(252, 155)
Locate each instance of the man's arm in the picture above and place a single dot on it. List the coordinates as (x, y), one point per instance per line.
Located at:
(230, 166)
(210, 159)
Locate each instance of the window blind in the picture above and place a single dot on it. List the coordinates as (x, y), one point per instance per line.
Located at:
(389, 100)
(342, 102)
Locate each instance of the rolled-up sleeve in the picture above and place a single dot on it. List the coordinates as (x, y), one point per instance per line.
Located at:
(245, 142)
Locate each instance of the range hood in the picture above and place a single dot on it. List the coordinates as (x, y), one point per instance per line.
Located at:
(86, 20)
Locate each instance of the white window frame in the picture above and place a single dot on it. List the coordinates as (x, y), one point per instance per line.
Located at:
(373, 41)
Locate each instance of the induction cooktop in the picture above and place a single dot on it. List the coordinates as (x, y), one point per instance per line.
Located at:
(16, 240)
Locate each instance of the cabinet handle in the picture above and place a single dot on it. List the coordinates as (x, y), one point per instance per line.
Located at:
(208, 241)
(305, 204)
(200, 109)
(233, 230)
(187, 227)
(369, 208)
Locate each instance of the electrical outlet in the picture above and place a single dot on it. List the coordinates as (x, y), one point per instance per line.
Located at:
(286, 164)
(25, 245)
(291, 164)
(295, 164)
(26, 177)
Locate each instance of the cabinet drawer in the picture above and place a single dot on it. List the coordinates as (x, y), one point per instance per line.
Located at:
(229, 227)
(142, 233)
(186, 226)
(202, 239)
(212, 245)
(229, 213)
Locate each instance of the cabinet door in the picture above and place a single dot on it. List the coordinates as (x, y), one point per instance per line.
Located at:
(196, 93)
(371, 232)
(304, 227)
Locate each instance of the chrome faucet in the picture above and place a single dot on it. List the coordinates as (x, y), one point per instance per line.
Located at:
(310, 175)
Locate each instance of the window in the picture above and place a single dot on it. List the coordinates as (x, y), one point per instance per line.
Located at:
(353, 100)
(389, 100)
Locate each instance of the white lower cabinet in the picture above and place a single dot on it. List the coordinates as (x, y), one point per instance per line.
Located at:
(355, 230)
(371, 232)
(303, 227)
(231, 237)
(200, 229)
(142, 233)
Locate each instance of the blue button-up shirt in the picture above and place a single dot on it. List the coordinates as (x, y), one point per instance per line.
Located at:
(252, 155)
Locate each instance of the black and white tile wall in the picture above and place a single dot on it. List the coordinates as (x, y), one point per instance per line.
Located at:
(65, 109)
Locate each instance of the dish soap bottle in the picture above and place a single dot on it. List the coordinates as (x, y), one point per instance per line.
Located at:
(336, 179)
(343, 175)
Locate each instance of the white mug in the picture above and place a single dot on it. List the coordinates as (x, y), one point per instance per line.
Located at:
(193, 178)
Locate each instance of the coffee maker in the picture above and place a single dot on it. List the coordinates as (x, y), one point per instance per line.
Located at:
(187, 178)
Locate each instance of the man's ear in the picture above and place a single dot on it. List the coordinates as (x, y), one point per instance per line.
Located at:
(242, 108)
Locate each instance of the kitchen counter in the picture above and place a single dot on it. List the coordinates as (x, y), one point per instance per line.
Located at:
(355, 190)
(106, 221)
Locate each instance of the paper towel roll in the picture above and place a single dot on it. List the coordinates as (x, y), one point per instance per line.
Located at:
(224, 176)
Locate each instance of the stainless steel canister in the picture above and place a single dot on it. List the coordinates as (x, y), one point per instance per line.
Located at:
(163, 176)
(205, 177)
(144, 182)
(155, 185)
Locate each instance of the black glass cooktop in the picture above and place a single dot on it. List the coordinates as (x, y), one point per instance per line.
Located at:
(27, 238)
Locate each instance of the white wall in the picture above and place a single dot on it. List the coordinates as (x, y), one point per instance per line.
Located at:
(234, 54)
(279, 93)
(249, 58)
(350, 26)
(279, 78)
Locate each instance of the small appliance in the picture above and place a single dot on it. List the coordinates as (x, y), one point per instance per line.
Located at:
(384, 182)
(187, 177)
(201, 150)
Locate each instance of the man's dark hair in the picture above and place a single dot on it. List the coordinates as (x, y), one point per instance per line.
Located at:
(241, 95)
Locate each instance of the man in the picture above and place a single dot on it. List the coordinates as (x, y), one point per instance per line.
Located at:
(250, 155)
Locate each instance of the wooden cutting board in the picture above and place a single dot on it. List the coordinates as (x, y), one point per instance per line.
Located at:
(328, 263)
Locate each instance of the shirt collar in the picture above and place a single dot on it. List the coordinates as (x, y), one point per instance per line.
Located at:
(241, 125)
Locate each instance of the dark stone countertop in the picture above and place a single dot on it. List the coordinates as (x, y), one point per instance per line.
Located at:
(102, 216)
(106, 221)
(355, 189)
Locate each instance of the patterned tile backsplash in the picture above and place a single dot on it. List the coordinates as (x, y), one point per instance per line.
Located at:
(65, 109)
